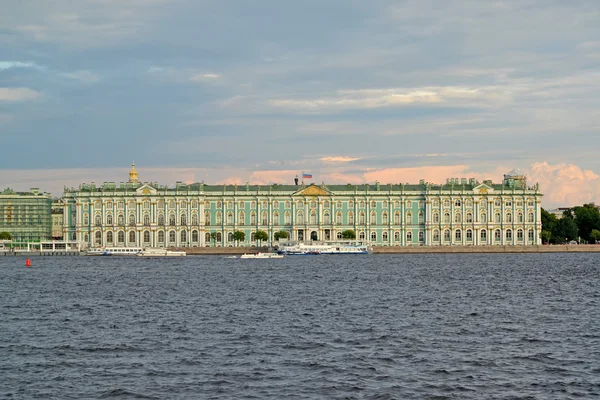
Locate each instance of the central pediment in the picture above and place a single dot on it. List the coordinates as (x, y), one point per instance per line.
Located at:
(312, 190)
(145, 189)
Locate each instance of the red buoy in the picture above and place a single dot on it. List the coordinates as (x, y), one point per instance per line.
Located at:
(28, 263)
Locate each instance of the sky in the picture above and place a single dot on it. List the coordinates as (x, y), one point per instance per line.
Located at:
(235, 91)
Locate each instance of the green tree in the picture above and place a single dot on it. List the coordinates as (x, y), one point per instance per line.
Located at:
(260, 236)
(280, 235)
(213, 236)
(239, 235)
(566, 229)
(595, 235)
(546, 236)
(587, 218)
(348, 234)
(5, 236)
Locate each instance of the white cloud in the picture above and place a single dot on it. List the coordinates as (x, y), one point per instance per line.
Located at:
(17, 64)
(82, 76)
(203, 77)
(18, 94)
(339, 159)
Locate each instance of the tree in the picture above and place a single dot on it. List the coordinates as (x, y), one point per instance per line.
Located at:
(595, 235)
(348, 234)
(280, 235)
(260, 236)
(566, 229)
(5, 236)
(546, 236)
(239, 235)
(213, 236)
(587, 218)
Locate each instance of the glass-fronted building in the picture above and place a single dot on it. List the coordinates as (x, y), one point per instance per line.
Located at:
(26, 215)
(459, 212)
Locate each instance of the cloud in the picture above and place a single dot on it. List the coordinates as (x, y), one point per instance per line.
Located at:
(83, 76)
(18, 94)
(204, 77)
(17, 64)
(565, 185)
(339, 159)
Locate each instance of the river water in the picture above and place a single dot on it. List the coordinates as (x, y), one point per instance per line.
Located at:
(425, 326)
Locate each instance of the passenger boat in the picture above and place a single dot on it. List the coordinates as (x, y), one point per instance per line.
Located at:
(318, 248)
(114, 251)
(262, 255)
(160, 252)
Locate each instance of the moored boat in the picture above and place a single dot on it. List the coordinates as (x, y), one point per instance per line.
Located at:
(262, 255)
(318, 248)
(114, 251)
(160, 252)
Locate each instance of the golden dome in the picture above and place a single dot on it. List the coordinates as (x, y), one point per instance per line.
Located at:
(133, 175)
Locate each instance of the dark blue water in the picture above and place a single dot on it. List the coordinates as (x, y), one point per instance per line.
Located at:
(323, 327)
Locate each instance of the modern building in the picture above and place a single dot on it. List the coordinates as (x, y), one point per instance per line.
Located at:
(57, 219)
(459, 212)
(26, 215)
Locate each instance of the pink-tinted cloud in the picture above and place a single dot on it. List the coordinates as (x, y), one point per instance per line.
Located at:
(565, 185)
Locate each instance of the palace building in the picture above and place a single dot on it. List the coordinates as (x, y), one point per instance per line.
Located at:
(459, 212)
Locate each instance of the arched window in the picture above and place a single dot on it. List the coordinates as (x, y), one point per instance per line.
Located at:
(161, 236)
(326, 204)
(121, 237)
(172, 237)
(520, 235)
(183, 204)
(275, 204)
(195, 236)
(457, 218)
(508, 234)
(436, 235)
(497, 203)
(457, 235)
(313, 217)
(194, 203)
(338, 218)
(469, 235)
(408, 204)
(326, 218)
(421, 218)
(446, 203)
(206, 218)
(436, 218)
(339, 235)
(373, 236)
(252, 218)
(132, 237)
(361, 218)
(207, 237)
(409, 236)
(362, 204)
(530, 235)
(287, 218)
(146, 219)
(98, 220)
(183, 219)
(194, 219)
(435, 203)
(373, 204)
(385, 204)
(498, 217)
(397, 218)
(146, 205)
(350, 218)
(483, 217)
(146, 236)
(300, 217)
(519, 217)
(409, 218)
(219, 218)
(109, 219)
(338, 204)
(384, 218)
(265, 218)
(497, 235)
(120, 220)
(109, 237)
(161, 219)
(253, 204)
(230, 237)
(98, 237)
(530, 217)
(396, 236)
(361, 235)
(313, 204)
(469, 203)
(229, 218)
(384, 236)
(241, 218)
(86, 219)
(131, 219)
(172, 219)
(373, 219)
(397, 204)
(457, 203)
(276, 220)
(421, 236)
(483, 236)
(446, 218)
(469, 217)
(446, 235)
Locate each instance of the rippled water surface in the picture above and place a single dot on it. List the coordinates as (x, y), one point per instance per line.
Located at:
(323, 327)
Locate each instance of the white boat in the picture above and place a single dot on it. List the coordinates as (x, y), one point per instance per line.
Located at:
(262, 255)
(160, 252)
(114, 251)
(318, 248)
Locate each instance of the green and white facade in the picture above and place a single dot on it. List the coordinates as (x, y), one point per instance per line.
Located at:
(460, 212)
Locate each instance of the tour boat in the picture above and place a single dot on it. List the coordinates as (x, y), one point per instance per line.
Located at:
(114, 251)
(262, 255)
(317, 248)
(160, 252)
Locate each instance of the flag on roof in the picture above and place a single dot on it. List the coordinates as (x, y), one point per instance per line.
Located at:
(306, 175)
